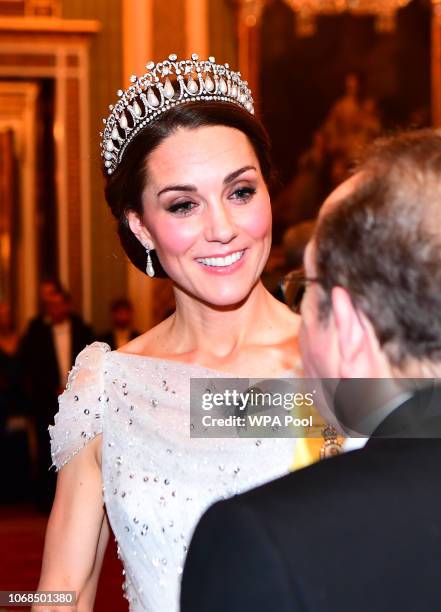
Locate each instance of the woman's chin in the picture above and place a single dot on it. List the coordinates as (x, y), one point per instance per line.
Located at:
(225, 299)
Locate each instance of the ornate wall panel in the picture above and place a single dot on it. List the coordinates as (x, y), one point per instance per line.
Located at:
(223, 31)
(18, 101)
(74, 137)
(37, 48)
(106, 260)
(8, 203)
(169, 28)
(23, 8)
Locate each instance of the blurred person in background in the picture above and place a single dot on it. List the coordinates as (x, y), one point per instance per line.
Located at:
(9, 342)
(8, 336)
(294, 243)
(46, 290)
(302, 196)
(8, 374)
(11, 405)
(122, 330)
(47, 352)
(342, 125)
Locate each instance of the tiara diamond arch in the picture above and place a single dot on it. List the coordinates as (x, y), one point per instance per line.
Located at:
(165, 85)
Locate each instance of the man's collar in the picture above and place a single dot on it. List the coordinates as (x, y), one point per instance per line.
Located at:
(417, 417)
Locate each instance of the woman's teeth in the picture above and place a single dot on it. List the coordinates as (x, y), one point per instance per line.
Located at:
(221, 261)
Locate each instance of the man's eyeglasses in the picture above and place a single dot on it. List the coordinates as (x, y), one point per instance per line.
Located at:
(293, 287)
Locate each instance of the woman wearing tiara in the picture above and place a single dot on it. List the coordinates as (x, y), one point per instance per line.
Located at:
(187, 171)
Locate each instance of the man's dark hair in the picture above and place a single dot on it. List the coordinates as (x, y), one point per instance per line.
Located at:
(382, 243)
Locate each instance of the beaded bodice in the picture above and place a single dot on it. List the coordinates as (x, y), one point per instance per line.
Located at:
(157, 481)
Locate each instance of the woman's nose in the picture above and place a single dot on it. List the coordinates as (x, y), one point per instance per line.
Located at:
(219, 226)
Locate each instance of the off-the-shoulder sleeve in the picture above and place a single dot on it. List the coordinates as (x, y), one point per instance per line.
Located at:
(79, 417)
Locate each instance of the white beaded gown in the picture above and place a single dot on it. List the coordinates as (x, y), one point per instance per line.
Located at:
(157, 481)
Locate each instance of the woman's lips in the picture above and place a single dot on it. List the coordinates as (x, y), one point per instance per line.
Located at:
(222, 269)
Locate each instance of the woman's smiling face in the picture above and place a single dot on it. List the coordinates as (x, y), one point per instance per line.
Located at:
(207, 212)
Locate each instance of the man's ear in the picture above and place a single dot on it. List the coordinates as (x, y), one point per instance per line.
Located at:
(351, 334)
(139, 229)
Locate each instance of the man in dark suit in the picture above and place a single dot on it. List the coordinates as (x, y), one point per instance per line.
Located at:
(47, 352)
(122, 331)
(360, 532)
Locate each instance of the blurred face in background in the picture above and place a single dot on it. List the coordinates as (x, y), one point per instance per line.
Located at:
(57, 308)
(47, 290)
(352, 84)
(122, 317)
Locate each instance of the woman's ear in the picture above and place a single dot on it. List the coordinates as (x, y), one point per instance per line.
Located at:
(139, 229)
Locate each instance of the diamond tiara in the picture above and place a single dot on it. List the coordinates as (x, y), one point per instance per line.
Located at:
(154, 92)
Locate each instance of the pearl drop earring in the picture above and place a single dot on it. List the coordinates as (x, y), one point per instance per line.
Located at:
(150, 271)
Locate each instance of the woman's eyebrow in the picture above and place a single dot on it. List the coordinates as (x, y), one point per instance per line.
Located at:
(177, 188)
(228, 179)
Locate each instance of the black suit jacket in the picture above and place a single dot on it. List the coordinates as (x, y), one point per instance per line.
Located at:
(39, 365)
(357, 533)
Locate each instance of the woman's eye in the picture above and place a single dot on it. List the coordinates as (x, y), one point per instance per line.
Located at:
(182, 208)
(244, 193)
